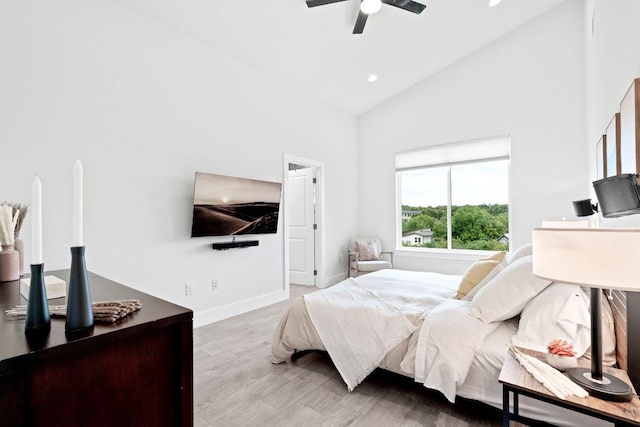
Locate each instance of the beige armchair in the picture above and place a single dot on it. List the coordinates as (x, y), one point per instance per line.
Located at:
(366, 255)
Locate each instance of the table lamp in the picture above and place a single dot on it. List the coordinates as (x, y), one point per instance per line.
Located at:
(598, 258)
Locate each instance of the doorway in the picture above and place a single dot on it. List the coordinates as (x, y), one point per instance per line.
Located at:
(303, 221)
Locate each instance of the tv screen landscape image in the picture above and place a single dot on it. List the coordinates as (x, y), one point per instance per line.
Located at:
(226, 205)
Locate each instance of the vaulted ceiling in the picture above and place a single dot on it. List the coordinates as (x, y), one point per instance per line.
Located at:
(314, 50)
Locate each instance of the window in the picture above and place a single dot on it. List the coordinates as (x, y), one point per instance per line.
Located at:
(457, 195)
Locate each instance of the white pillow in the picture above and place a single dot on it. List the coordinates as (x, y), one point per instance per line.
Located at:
(561, 311)
(522, 251)
(507, 293)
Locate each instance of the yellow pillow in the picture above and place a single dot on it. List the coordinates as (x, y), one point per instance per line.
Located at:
(498, 256)
(475, 274)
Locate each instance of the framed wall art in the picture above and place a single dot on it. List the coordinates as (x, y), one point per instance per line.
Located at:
(630, 130)
(601, 151)
(613, 146)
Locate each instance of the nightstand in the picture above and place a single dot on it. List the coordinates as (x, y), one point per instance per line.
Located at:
(517, 381)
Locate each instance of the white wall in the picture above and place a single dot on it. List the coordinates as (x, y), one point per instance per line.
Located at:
(612, 46)
(144, 108)
(529, 84)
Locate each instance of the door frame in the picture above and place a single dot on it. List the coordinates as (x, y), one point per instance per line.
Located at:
(318, 166)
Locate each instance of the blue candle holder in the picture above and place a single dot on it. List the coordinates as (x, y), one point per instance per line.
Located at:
(38, 318)
(79, 308)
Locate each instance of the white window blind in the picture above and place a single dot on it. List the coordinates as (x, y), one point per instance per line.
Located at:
(457, 152)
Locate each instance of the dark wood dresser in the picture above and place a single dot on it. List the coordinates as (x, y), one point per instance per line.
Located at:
(136, 372)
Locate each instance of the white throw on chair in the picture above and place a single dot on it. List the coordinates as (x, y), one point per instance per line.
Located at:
(366, 255)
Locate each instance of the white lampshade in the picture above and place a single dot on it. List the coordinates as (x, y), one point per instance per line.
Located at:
(607, 258)
(573, 223)
(370, 6)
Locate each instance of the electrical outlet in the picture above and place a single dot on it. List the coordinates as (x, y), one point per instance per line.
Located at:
(188, 289)
(458, 268)
(214, 284)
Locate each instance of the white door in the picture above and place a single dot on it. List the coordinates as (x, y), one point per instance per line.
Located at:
(300, 211)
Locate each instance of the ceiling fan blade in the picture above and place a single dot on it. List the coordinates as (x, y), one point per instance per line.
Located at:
(314, 3)
(408, 5)
(362, 19)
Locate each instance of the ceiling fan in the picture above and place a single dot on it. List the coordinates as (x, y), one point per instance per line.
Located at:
(369, 7)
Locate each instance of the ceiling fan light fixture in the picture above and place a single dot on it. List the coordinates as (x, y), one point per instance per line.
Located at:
(370, 6)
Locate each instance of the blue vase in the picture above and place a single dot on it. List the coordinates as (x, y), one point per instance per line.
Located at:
(79, 308)
(38, 318)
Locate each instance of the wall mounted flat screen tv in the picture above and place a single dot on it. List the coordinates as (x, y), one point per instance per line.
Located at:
(227, 205)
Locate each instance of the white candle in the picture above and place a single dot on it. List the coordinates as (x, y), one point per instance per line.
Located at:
(77, 204)
(36, 221)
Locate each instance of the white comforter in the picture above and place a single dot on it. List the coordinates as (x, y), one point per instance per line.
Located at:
(357, 327)
(360, 320)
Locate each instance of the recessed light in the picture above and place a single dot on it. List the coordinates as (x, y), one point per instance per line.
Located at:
(493, 3)
(372, 78)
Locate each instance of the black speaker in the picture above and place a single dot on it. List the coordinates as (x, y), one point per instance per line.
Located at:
(584, 207)
(618, 195)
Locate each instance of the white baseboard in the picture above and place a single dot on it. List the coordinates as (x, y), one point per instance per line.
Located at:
(332, 280)
(213, 315)
(220, 313)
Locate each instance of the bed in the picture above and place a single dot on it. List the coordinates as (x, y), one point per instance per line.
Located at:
(418, 324)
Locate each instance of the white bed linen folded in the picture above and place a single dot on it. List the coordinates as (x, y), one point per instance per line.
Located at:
(447, 344)
(357, 327)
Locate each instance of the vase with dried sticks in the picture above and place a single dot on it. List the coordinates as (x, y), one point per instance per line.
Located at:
(9, 258)
(21, 211)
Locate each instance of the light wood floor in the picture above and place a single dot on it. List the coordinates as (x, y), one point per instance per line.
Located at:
(235, 384)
